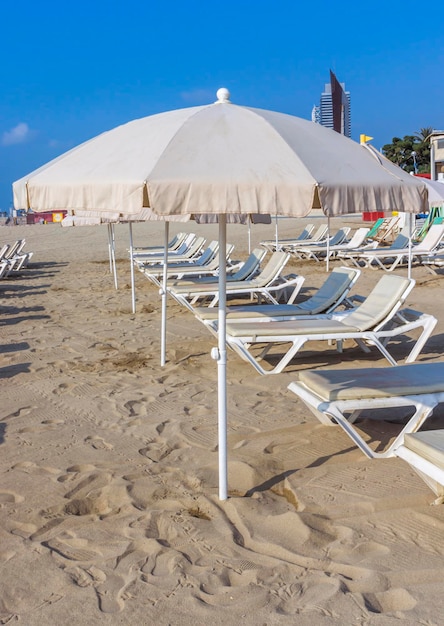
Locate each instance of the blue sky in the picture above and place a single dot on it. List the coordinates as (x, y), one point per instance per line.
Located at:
(71, 70)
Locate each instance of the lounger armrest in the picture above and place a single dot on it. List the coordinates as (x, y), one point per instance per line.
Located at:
(291, 280)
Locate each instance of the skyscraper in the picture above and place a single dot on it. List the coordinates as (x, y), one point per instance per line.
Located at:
(334, 108)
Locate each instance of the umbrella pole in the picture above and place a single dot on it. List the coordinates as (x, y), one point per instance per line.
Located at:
(113, 254)
(328, 244)
(409, 265)
(110, 256)
(249, 235)
(221, 355)
(276, 232)
(163, 292)
(133, 284)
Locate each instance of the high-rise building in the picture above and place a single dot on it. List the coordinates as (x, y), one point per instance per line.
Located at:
(334, 108)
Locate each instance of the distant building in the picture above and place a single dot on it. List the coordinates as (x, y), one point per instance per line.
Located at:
(334, 107)
(437, 155)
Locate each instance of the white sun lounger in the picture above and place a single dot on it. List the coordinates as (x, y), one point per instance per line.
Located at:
(390, 258)
(319, 253)
(317, 237)
(268, 282)
(180, 246)
(13, 258)
(330, 295)
(175, 242)
(182, 251)
(307, 250)
(358, 257)
(243, 271)
(203, 259)
(374, 323)
(341, 396)
(205, 266)
(270, 244)
(189, 256)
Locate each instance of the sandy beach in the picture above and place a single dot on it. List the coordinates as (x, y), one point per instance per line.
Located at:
(109, 511)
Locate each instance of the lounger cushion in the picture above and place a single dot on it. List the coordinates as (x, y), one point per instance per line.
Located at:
(375, 382)
(183, 288)
(254, 311)
(326, 296)
(375, 308)
(284, 328)
(429, 444)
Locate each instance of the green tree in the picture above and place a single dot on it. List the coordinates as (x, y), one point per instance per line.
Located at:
(411, 152)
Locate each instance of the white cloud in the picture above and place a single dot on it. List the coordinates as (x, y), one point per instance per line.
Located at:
(18, 134)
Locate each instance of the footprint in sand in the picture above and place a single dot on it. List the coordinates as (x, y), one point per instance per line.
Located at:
(136, 408)
(157, 451)
(9, 497)
(74, 549)
(86, 577)
(312, 594)
(98, 443)
(390, 601)
(111, 593)
(24, 410)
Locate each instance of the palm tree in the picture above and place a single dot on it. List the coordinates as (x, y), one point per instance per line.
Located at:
(424, 133)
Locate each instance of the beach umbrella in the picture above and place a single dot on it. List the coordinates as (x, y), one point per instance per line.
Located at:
(220, 159)
(436, 192)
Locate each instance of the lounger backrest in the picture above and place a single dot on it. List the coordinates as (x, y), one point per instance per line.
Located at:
(339, 236)
(250, 266)
(359, 236)
(305, 234)
(332, 291)
(432, 238)
(320, 233)
(208, 253)
(376, 226)
(213, 264)
(185, 245)
(381, 303)
(4, 250)
(401, 241)
(176, 241)
(13, 248)
(272, 269)
(195, 247)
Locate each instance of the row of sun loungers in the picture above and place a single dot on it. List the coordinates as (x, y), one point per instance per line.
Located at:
(13, 258)
(389, 258)
(383, 229)
(254, 331)
(358, 248)
(267, 284)
(376, 321)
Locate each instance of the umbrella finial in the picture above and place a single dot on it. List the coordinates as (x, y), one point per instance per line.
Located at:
(223, 95)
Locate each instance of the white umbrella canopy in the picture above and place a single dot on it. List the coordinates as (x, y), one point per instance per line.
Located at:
(219, 159)
(436, 192)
